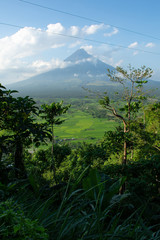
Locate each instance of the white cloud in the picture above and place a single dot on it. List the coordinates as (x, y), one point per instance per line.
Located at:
(28, 42)
(26, 70)
(150, 45)
(92, 29)
(55, 28)
(28, 51)
(74, 30)
(133, 45)
(88, 48)
(25, 43)
(115, 31)
(103, 52)
(41, 66)
(58, 45)
(75, 44)
(86, 60)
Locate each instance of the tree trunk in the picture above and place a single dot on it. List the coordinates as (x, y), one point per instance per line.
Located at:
(125, 146)
(125, 153)
(131, 154)
(53, 161)
(124, 161)
(20, 171)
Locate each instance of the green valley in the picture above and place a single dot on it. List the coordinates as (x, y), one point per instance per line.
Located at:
(81, 126)
(81, 168)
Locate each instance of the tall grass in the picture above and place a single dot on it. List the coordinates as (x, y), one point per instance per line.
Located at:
(90, 212)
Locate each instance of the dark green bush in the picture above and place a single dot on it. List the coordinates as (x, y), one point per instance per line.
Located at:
(14, 224)
(42, 159)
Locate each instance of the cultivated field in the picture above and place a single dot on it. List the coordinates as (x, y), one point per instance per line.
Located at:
(81, 126)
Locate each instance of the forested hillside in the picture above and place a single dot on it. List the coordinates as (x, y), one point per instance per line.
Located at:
(81, 187)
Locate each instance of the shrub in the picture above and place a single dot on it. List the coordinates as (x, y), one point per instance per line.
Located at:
(14, 224)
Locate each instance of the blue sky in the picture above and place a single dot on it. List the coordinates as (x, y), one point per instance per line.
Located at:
(39, 45)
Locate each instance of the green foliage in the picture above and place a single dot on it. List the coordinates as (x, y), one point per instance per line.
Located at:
(50, 114)
(41, 160)
(18, 118)
(90, 152)
(132, 80)
(52, 111)
(60, 153)
(73, 213)
(84, 155)
(77, 216)
(14, 224)
(145, 173)
(105, 101)
(92, 184)
(113, 141)
(152, 124)
(23, 122)
(6, 101)
(95, 186)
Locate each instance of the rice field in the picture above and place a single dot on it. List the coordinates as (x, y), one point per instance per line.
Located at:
(81, 126)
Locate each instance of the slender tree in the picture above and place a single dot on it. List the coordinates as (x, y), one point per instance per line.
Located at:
(132, 96)
(51, 114)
